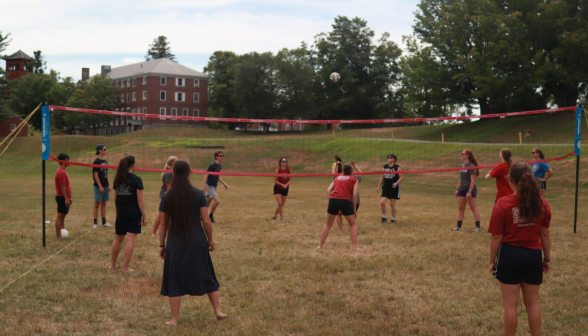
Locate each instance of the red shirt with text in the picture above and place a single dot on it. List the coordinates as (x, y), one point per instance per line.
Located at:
(344, 187)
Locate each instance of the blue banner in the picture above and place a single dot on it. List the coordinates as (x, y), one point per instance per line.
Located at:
(46, 130)
(578, 131)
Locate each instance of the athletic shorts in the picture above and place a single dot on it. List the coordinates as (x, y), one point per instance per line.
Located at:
(356, 207)
(463, 193)
(343, 205)
(517, 264)
(278, 191)
(61, 207)
(101, 197)
(128, 223)
(393, 193)
(542, 185)
(211, 191)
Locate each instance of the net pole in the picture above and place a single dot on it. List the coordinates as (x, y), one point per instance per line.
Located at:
(46, 131)
(578, 135)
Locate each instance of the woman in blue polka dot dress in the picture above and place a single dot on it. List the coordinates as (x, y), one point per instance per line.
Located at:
(188, 268)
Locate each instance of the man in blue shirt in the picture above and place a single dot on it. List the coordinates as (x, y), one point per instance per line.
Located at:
(539, 170)
(211, 182)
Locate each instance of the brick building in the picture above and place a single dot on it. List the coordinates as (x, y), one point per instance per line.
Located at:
(16, 67)
(160, 87)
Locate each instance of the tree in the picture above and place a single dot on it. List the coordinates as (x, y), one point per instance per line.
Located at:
(255, 90)
(221, 69)
(29, 91)
(369, 71)
(98, 94)
(5, 112)
(4, 42)
(37, 64)
(59, 95)
(160, 49)
(294, 80)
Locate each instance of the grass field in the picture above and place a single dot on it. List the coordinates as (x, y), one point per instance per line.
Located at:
(415, 277)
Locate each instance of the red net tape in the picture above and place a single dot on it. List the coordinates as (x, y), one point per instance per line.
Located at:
(283, 121)
(310, 175)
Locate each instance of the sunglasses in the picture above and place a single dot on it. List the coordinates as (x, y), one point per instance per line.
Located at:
(284, 161)
(532, 152)
(463, 153)
(221, 155)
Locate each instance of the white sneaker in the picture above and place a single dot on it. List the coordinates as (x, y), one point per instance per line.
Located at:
(457, 228)
(95, 226)
(106, 225)
(477, 229)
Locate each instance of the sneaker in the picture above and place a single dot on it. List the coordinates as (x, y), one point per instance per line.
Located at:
(95, 226)
(477, 229)
(211, 216)
(393, 220)
(384, 220)
(457, 228)
(106, 225)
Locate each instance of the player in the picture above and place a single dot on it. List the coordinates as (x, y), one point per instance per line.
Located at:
(211, 182)
(281, 187)
(166, 179)
(466, 191)
(101, 186)
(358, 177)
(520, 231)
(130, 210)
(342, 197)
(62, 194)
(390, 184)
(500, 172)
(539, 170)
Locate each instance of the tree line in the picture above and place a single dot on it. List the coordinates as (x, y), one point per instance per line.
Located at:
(495, 56)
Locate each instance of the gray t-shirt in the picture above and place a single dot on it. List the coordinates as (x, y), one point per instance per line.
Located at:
(167, 178)
(465, 176)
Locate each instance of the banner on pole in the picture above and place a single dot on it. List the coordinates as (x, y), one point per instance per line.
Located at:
(46, 131)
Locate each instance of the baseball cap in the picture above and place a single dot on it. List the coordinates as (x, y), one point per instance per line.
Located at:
(392, 156)
(98, 148)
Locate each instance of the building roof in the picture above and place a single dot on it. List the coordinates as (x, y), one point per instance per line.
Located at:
(158, 67)
(17, 55)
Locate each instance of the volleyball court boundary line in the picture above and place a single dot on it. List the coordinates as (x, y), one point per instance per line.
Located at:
(44, 261)
(202, 172)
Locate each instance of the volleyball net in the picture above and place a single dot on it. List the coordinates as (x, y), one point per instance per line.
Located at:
(252, 147)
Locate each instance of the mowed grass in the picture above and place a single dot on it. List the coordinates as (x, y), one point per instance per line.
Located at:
(415, 277)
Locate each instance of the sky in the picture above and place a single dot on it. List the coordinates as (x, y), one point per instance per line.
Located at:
(90, 33)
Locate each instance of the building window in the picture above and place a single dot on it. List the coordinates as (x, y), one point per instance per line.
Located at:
(134, 96)
(128, 110)
(12, 127)
(162, 95)
(144, 95)
(162, 112)
(196, 113)
(180, 82)
(145, 113)
(134, 82)
(144, 80)
(128, 83)
(197, 97)
(122, 84)
(122, 98)
(185, 112)
(162, 80)
(116, 122)
(180, 97)
(134, 111)
(174, 112)
(196, 83)
(128, 97)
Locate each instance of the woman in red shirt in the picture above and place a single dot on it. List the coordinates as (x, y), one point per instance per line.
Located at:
(500, 172)
(342, 197)
(520, 231)
(281, 187)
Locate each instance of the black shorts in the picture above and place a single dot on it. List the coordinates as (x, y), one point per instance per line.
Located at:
(128, 223)
(517, 264)
(393, 193)
(542, 185)
(278, 191)
(343, 205)
(61, 207)
(356, 207)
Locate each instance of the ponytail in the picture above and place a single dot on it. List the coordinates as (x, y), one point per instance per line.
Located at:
(472, 159)
(123, 168)
(168, 164)
(506, 155)
(540, 152)
(530, 202)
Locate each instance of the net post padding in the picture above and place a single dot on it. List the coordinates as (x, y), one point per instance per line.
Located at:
(422, 171)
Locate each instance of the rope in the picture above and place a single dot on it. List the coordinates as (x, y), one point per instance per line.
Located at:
(44, 261)
(17, 130)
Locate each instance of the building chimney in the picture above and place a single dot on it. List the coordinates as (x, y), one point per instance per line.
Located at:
(85, 73)
(105, 69)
